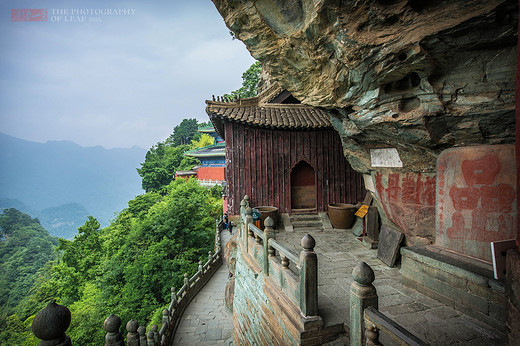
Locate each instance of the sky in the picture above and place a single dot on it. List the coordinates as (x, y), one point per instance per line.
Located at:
(114, 73)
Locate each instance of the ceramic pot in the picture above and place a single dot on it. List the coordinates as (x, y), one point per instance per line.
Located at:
(341, 215)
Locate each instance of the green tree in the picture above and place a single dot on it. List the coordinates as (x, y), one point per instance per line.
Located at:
(249, 83)
(184, 132)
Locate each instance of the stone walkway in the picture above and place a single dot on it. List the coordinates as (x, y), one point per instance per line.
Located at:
(206, 321)
(339, 252)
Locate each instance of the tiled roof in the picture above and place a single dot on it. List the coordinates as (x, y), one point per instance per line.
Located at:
(257, 111)
(218, 150)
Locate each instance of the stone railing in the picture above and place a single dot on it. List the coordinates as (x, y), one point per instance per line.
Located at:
(44, 327)
(366, 321)
(296, 275)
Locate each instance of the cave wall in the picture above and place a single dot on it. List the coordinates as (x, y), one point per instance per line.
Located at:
(419, 76)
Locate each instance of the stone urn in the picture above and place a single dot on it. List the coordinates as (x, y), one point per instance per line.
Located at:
(341, 215)
(266, 211)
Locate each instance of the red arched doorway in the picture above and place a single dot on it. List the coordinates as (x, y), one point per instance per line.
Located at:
(303, 186)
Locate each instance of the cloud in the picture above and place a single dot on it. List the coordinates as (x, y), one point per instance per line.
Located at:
(127, 80)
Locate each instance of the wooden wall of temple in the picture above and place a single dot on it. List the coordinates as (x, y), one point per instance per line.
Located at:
(259, 162)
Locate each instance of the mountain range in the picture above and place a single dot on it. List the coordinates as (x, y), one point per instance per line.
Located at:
(61, 182)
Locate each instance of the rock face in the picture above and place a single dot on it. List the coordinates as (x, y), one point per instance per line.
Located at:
(416, 75)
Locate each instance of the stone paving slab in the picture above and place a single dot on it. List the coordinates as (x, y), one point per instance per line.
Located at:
(339, 251)
(206, 321)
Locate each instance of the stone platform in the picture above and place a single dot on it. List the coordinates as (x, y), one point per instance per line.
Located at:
(339, 251)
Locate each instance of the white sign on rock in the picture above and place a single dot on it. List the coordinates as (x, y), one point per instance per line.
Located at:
(386, 157)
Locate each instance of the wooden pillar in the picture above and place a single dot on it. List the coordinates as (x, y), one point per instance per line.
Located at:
(308, 277)
(362, 295)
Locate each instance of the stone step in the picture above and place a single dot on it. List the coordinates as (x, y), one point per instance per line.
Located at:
(305, 216)
(313, 223)
(308, 229)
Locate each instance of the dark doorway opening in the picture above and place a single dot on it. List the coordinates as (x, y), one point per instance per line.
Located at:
(303, 187)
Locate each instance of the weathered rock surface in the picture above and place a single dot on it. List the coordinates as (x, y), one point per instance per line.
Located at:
(417, 75)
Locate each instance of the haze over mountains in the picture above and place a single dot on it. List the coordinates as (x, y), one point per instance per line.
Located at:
(61, 182)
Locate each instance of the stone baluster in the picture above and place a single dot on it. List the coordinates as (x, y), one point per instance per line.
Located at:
(258, 239)
(50, 324)
(114, 336)
(149, 339)
(308, 277)
(285, 261)
(246, 199)
(164, 340)
(132, 337)
(242, 206)
(201, 268)
(186, 282)
(242, 213)
(362, 295)
(372, 335)
(166, 317)
(142, 335)
(248, 221)
(174, 297)
(155, 331)
(268, 250)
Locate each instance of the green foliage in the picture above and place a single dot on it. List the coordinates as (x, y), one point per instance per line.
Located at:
(184, 132)
(203, 141)
(165, 158)
(25, 247)
(129, 267)
(249, 83)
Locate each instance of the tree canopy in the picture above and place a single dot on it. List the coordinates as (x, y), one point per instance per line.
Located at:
(165, 158)
(127, 268)
(249, 86)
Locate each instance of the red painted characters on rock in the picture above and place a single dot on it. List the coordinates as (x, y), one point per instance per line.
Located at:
(482, 205)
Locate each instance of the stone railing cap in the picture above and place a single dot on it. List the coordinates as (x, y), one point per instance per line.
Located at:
(308, 242)
(363, 274)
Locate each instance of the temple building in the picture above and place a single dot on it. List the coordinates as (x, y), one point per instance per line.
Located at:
(282, 153)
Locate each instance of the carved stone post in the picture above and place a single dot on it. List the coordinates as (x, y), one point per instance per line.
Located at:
(209, 255)
(242, 207)
(50, 324)
(201, 268)
(166, 317)
(308, 277)
(242, 214)
(268, 234)
(246, 199)
(155, 331)
(186, 282)
(114, 336)
(362, 295)
(174, 297)
(248, 233)
(132, 337)
(142, 335)
(149, 339)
